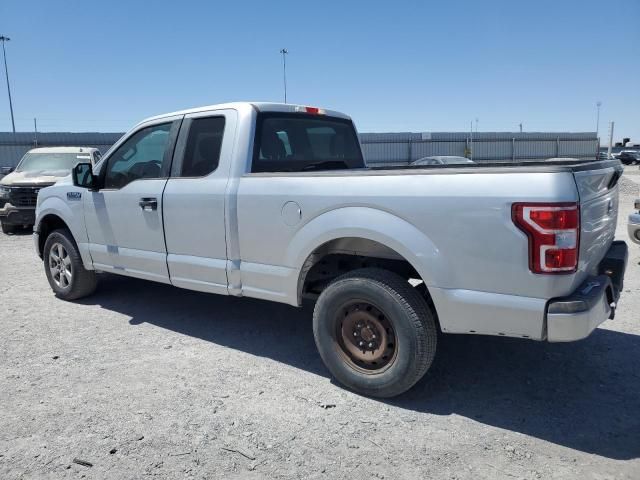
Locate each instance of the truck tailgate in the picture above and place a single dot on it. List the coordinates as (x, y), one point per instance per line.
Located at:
(598, 191)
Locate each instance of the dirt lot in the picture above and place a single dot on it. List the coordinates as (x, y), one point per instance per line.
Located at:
(147, 380)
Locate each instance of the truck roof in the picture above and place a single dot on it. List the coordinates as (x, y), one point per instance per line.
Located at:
(63, 150)
(260, 106)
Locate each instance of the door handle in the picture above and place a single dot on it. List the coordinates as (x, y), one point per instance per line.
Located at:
(148, 204)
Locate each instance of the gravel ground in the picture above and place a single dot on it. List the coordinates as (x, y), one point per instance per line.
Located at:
(146, 380)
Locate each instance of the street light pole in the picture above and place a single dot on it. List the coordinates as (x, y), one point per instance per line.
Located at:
(471, 142)
(4, 39)
(284, 52)
(598, 104)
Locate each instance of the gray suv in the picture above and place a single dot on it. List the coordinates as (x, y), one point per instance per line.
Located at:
(39, 168)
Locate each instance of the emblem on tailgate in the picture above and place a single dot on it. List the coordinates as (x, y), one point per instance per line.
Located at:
(73, 196)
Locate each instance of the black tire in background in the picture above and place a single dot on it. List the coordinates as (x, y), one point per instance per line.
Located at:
(7, 228)
(69, 279)
(411, 331)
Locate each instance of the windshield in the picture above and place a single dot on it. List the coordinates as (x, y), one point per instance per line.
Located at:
(51, 161)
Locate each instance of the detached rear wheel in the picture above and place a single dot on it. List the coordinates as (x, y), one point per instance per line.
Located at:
(374, 332)
(63, 266)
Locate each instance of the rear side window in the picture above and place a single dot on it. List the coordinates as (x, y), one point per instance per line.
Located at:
(202, 152)
(291, 142)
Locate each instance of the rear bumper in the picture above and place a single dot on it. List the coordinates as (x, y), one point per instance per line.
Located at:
(634, 227)
(12, 215)
(574, 317)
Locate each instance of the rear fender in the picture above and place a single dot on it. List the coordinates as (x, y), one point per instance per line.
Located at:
(372, 224)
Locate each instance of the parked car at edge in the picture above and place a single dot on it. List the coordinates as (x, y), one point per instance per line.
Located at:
(275, 202)
(38, 168)
(629, 157)
(634, 223)
(442, 160)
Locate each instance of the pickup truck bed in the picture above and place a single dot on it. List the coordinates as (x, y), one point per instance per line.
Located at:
(289, 211)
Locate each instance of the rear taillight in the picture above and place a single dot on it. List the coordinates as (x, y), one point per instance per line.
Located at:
(553, 230)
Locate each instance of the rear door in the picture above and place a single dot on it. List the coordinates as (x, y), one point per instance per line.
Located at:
(194, 202)
(124, 218)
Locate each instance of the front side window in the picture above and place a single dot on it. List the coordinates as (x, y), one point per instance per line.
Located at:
(202, 152)
(287, 142)
(141, 156)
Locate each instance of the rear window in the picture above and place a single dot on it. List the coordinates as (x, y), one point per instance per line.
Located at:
(291, 142)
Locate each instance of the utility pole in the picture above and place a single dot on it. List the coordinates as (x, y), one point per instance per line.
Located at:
(471, 135)
(520, 127)
(476, 136)
(284, 52)
(35, 132)
(4, 39)
(610, 139)
(598, 104)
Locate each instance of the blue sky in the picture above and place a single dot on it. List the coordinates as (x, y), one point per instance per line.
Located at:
(393, 66)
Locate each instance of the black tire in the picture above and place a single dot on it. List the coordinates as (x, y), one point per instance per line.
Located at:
(81, 282)
(7, 228)
(393, 300)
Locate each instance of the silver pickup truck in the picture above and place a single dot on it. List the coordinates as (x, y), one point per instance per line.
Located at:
(275, 202)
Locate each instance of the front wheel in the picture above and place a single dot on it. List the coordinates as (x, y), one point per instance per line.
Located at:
(63, 266)
(374, 332)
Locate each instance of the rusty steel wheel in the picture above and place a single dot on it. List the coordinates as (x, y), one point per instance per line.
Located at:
(375, 332)
(365, 337)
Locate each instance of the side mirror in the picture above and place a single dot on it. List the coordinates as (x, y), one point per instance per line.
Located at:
(82, 175)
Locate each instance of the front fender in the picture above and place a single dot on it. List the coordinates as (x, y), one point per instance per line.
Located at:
(54, 201)
(372, 224)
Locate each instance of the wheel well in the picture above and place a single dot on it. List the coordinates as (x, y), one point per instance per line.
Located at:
(48, 224)
(342, 255)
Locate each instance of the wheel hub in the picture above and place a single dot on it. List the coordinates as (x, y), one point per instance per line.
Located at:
(366, 337)
(60, 265)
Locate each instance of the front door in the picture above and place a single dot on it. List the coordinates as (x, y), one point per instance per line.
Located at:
(124, 218)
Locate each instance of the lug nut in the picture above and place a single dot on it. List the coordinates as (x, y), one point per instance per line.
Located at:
(355, 334)
(370, 344)
(361, 343)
